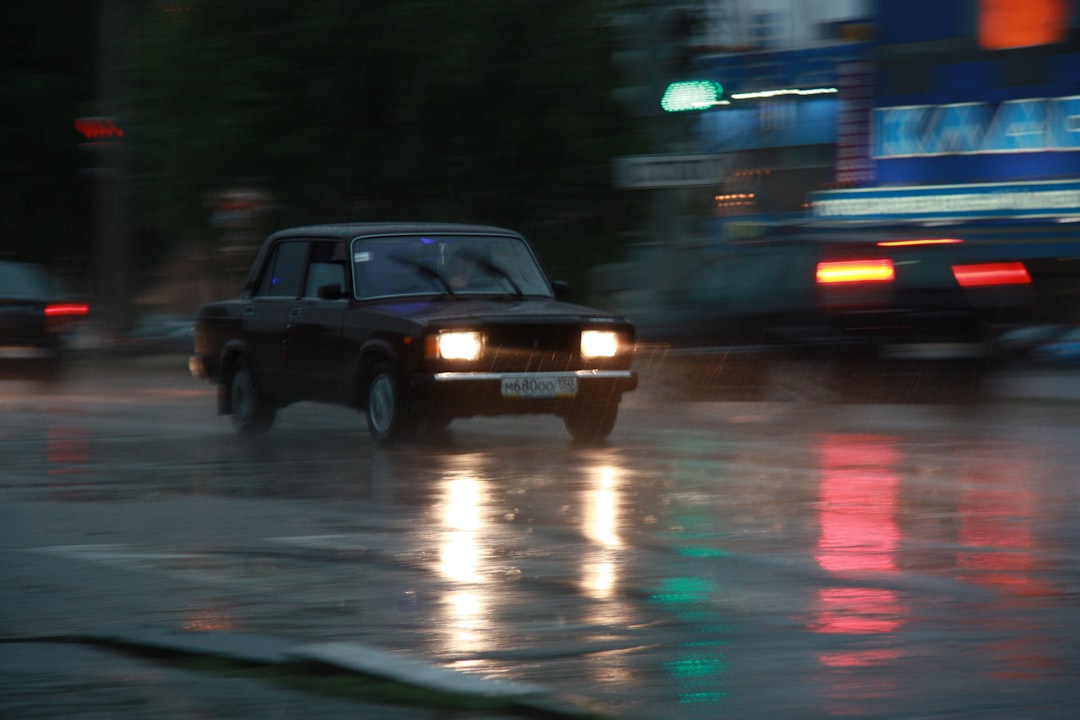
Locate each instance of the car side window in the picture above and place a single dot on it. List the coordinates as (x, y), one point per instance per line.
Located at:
(285, 270)
(327, 267)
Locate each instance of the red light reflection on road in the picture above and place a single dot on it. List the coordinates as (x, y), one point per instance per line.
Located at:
(67, 450)
(996, 527)
(998, 515)
(858, 539)
(209, 620)
(857, 507)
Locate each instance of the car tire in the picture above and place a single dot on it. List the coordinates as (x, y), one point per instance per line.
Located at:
(387, 411)
(252, 413)
(591, 423)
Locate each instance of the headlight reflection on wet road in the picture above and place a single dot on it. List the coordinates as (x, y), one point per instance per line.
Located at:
(461, 561)
(600, 526)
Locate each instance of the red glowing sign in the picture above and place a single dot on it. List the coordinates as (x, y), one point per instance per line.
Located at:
(98, 129)
(1021, 23)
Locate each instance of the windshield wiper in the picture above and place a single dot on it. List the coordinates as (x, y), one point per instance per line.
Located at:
(491, 268)
(425, 270)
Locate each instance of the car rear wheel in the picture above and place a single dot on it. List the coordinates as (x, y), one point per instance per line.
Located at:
(387, 416)
(590, 423)
(252, 413)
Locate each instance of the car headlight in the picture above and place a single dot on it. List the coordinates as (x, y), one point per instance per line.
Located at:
(599, 343)
(456, 345)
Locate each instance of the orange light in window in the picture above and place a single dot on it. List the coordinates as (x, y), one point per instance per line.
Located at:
(1021, 23)
(855, 271)
(987, 274)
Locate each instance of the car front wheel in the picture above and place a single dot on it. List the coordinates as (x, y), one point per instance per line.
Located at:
(252, 413)
(591, 423)
(386, 409)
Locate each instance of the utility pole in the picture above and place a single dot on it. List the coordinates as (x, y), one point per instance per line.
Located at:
(111, 176)
(658, 44)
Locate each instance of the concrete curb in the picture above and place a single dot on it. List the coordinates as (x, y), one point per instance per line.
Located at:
(364, 660)
(378, 663)
(258, 649)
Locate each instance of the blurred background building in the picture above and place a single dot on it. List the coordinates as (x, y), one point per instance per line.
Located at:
(916, 112)
(843, 95)
(150, 145)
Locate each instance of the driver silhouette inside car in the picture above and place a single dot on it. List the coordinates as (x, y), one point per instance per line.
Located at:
(461, 273)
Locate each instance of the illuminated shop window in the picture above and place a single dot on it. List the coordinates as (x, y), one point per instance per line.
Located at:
(1022, 23)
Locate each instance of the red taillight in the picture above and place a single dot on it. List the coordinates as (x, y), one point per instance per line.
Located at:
(66, 309)
(989, 274)
(855, 271)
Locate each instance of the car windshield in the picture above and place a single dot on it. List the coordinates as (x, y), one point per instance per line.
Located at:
(394, 265)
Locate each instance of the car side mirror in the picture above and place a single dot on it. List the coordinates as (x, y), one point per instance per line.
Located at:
(332, 291)
(561, 288)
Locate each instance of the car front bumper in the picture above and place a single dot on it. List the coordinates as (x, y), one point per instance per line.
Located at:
(618, 376)
(498, 393)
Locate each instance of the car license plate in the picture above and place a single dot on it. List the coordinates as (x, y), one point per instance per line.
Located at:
(539, 386)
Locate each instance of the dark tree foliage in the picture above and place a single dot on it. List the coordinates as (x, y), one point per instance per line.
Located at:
(495, 111)
(46, 80)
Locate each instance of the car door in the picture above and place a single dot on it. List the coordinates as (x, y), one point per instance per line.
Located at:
(266, 315)
(315, 359)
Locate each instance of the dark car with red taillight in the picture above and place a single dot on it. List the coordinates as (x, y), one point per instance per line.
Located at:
(37, 320)
(893, 292)
(929, 295)
(416, 325)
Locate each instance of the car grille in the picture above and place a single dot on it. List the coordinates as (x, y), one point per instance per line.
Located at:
(532, 347)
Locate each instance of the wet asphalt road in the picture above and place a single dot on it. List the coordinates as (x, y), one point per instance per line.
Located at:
(714, 559)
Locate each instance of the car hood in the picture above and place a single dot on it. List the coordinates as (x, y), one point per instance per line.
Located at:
(495, 309)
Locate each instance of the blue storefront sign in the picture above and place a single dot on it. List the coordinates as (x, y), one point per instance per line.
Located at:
(1016, 139)
(1028, 125)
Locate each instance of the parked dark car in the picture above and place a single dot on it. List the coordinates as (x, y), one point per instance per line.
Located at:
(415, 324)
(37, 320)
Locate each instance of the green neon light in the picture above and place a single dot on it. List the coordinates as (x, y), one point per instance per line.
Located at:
(686, 95)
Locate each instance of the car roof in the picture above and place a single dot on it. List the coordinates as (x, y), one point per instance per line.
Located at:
(351, 230)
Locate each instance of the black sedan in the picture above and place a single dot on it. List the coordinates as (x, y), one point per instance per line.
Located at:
(36, 321)
(416, 324)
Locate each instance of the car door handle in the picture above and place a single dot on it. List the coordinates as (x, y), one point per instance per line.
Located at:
(249, 310)
(294, 312)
